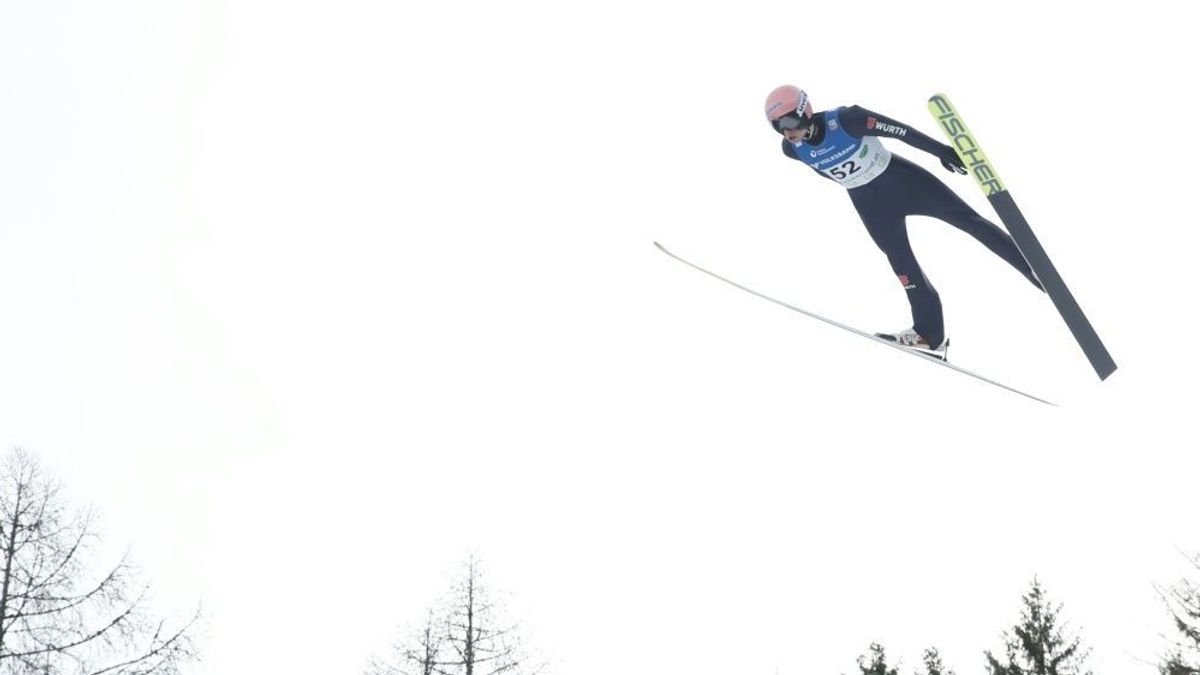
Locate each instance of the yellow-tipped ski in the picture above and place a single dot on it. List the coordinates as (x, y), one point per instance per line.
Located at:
(965, 145)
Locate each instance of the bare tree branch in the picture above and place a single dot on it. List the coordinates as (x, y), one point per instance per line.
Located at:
(1183, 603)
(52, 619)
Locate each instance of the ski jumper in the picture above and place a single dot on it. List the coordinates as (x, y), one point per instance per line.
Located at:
(885, 189)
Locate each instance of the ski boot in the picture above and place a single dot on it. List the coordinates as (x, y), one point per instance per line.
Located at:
(910, 339)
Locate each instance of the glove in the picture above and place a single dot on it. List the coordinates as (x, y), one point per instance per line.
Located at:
(951, 160)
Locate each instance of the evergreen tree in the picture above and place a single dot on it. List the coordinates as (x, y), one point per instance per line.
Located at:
(1038, 644)
(874, 662)
(1177, 664)
(933, 663)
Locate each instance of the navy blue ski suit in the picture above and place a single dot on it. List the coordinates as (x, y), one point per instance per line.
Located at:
(885, 189)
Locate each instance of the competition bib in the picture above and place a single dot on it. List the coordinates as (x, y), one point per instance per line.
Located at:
(850, 161)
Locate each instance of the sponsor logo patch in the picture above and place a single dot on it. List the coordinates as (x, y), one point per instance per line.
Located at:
(896, 129)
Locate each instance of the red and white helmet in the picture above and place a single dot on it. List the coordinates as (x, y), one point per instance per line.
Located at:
(788, 107)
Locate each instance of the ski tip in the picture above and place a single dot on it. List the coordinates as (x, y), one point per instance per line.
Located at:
(661, 247)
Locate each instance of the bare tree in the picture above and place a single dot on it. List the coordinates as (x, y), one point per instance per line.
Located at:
(56, 616)
(1183, 601)
(418, 656)
(466, 635)
(482, 645)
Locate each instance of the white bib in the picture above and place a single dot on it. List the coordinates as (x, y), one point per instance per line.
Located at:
(863, 166)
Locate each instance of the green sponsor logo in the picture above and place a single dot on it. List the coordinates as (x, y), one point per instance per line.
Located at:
(864, 152)
(965, 145)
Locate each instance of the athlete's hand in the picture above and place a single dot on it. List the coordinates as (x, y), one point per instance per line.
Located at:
(951, 160)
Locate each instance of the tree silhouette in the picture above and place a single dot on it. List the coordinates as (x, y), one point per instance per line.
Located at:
(874, 662)
(57, 616)
(464, 635)
(1038, 644)
(1183, 601)
(933, 663)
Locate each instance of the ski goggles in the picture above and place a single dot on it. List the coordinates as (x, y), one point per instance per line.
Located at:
(791, 122)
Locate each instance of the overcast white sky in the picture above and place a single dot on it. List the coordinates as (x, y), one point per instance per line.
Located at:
(311, 298)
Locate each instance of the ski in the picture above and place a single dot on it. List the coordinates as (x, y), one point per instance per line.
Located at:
(989, 181)
(869, 336)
